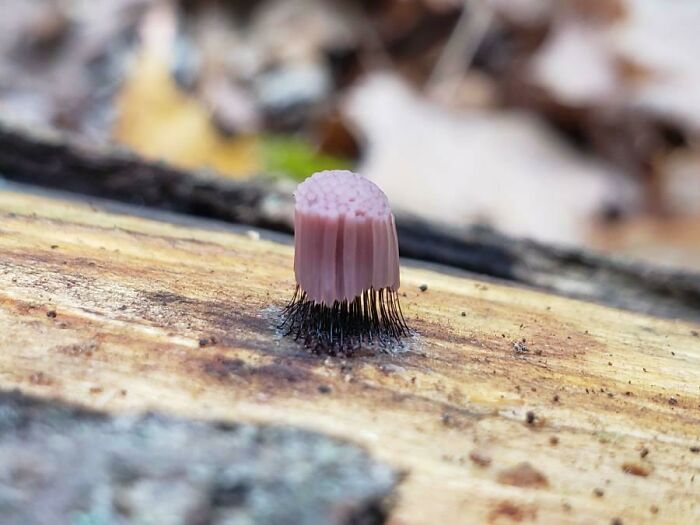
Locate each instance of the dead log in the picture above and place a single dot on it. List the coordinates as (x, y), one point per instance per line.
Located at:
(53, 161)
(508, 405)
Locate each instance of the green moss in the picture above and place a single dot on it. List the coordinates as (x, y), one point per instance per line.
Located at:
(293, 157)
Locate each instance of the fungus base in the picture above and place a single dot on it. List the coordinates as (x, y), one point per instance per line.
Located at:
(373, 317)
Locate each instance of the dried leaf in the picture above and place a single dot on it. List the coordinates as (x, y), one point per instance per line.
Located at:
(159, 121)
(503, 168)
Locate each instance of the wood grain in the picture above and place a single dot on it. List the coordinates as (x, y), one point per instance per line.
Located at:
(593, 416)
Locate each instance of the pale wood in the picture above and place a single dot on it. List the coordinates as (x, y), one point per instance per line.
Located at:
(133, 297)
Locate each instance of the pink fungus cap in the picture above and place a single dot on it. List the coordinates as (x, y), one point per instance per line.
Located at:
(344, 237)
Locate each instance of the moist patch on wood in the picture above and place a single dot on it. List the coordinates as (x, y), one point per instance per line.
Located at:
(275, 375)
(82, 349)
(523, 475)
(510, 511)
(547, 343)
(140, 469)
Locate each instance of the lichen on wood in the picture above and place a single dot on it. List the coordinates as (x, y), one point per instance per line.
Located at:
(63, 465)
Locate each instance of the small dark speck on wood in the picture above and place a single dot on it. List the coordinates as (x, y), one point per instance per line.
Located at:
(206, 341)
(51, 314)
(423, 287)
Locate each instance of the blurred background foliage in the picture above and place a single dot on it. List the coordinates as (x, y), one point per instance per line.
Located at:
(567, 121)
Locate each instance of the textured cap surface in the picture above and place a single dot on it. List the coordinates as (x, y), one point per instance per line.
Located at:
(344, 236)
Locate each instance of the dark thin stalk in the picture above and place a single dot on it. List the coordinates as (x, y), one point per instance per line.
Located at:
(342, 327)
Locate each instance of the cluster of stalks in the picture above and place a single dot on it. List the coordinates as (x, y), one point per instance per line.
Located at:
(373, 317)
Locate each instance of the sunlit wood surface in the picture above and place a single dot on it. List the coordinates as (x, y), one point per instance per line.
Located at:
(509, 406)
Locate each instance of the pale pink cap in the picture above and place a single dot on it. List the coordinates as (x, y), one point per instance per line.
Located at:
(344, 237)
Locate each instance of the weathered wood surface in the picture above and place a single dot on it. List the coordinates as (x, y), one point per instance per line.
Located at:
(56, 162)
(122, 313)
